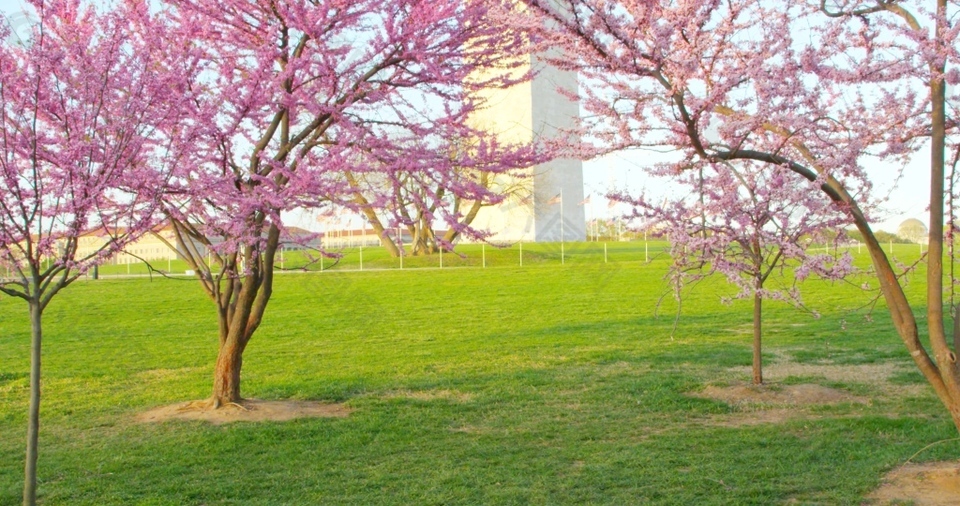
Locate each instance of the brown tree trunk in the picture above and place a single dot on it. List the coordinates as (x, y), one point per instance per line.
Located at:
(371, 216)
(945, 357)
(33, 421)
(757, 319)
(241, 308)
(388, 243)
(226, 375)
(956, 327)
(244, 313)
(374, 221)
(452, 234)
(425, 242)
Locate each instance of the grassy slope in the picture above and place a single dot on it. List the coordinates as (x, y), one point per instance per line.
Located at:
(544, 384)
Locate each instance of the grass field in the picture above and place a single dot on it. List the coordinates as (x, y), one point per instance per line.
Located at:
(541, 384)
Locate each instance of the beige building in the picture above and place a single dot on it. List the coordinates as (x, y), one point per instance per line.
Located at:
(150, 247)
(155, 246)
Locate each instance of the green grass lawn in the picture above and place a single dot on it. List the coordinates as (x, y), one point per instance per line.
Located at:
(541, 384)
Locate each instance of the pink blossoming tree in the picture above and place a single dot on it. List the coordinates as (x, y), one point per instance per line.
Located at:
(820, 89)
(295, 94)
(80, 157)
(746, 223)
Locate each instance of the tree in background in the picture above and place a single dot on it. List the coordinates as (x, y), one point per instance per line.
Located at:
(424, 199)
(913, 231)
(818, 89)
(80, 103)
(882, 236)
(296, 94)
(746, 224)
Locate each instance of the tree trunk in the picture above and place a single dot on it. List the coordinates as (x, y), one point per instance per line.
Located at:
(945, 357)
(387, 242)
(33, 423)
(243, 308)
(935, 245)
(757, 319)
(452, 233)
(425, 242)
(371, 216)
(956, 327)
(226, 375)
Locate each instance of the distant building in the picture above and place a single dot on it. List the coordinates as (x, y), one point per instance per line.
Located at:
(914, 231)
(149, 247)
(523, 114)
(162, 244)
(351, 237)
(296, 238)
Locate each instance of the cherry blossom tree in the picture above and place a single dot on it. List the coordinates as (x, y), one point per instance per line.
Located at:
(746, 224)
(421, 201)
(295, 94)
(821, 89)
(80, 158)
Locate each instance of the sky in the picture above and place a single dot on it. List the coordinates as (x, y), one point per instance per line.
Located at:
(907, 196)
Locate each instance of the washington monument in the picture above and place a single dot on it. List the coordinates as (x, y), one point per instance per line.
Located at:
(553, 209)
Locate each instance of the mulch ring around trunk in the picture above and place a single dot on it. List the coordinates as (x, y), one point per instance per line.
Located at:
(249, 410)
(795, 395)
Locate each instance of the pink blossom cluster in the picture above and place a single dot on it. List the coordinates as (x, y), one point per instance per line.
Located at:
(83, 146)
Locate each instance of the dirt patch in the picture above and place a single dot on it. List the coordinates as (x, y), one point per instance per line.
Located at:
(874, 375)
(757, 417)
(931, 484)
(794, 395)
(859, 373)
(251, 410)
(771, 404)
(160, 374)
(430, 395)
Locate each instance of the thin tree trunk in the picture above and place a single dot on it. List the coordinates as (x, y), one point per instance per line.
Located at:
(757, 319)
(956, 328)
(945, 357)
(387, 242)
(426, 242)
(33, 423)
(452, 233)
(371, 216)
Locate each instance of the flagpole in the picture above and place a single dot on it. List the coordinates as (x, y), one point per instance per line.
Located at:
(596, 223)
(593, 212)
(561, 227)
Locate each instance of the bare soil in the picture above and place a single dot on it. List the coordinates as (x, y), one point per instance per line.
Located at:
(930, 484)
(250, 410)
(763, 404)
(793, 395)
(430, 395)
